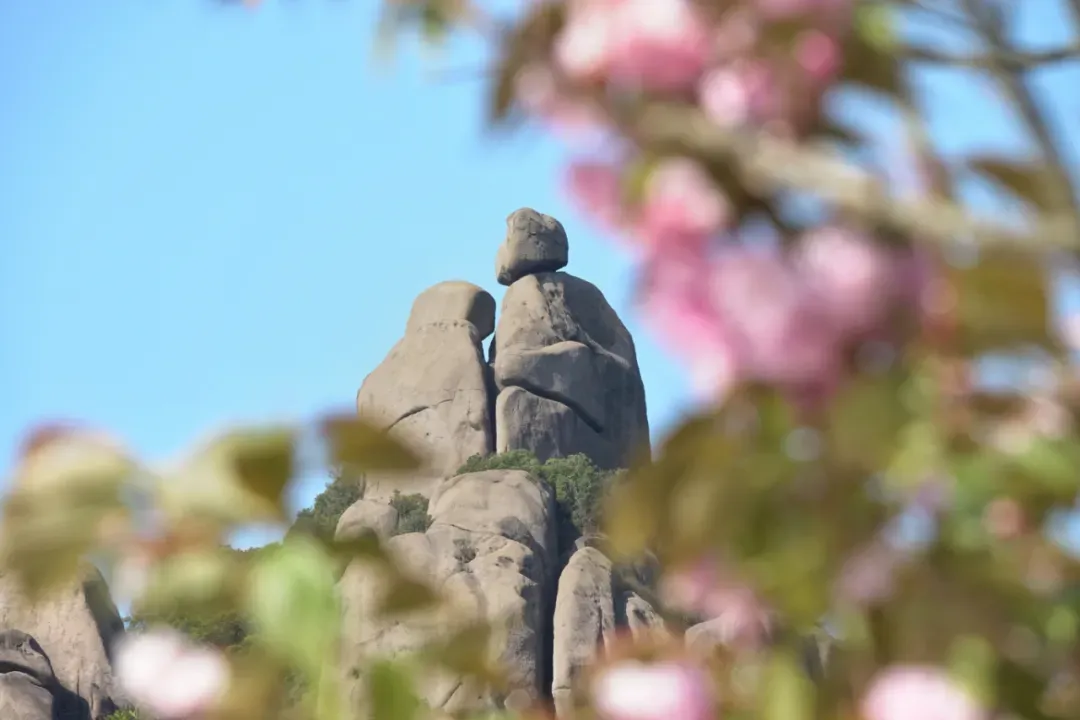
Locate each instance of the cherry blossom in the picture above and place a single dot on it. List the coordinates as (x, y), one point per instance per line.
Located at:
(681, 204)
(169, 676)
(702, 588)
(655, 45)
(912, 692)
(667, 690)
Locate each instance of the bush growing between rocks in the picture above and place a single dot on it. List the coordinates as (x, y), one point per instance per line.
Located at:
(579, 486)
(322, 517)
(412, 513)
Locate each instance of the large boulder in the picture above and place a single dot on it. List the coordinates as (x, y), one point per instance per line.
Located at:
(27, 681)
(433, 388)
(569, 370)
(592, 602)
(490, 549)
(534, 243)
(365, 515)
(76, 628)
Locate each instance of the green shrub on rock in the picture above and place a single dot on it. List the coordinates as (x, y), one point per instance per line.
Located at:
(412, 513)
(579, 486)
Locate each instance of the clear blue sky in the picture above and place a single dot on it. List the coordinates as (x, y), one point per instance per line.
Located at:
(210, 215)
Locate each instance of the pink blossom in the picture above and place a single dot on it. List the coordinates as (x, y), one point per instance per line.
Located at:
(675, 302)
(573, 119)
(739, 93)
(597, 188)
(661, 45)
(853, 277)
(913, 692)
(785, 336)
(659, 691)
(169, 676)
(681, 204)
(743, 620)
(584, 47)
(818, 55)
(656, 45)
(869, 576)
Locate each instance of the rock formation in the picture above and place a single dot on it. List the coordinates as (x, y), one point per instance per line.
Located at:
(65, 643)
(433, 388)
(562, 378)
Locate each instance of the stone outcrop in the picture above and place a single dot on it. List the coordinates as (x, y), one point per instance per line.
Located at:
(27, 681)
(568, 368)
(534, 243)
(561, 378)
(366, 515)
(74, 629)
(490, 549)
(591, 604)
(433, 388)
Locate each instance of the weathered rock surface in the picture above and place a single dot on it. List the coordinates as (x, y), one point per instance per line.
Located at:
(591, 604)
(433, 388)
(364, 515)
(26, 679)
(560, 341)
(76, 629)
(534, 243)
(490, 549)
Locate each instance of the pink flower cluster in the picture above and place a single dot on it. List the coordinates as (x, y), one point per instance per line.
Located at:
(727, 62)
(788, 319)
(169, 676)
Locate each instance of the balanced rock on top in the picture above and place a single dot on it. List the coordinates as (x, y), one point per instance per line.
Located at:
(534, 243)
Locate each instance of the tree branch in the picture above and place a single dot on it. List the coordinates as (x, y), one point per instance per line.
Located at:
(1013, 60)
(1059, 187)
(773, 164)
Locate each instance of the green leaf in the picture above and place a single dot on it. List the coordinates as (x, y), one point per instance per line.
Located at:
(292, 601)
(1024, 179)
(466, 653)
(391, 692)
(870, 66)
(875, 23)
(973, 662)
(362, 447)
(788, 692)
(1003, 301)
(236, 477)
(866, 421)
(406, 595)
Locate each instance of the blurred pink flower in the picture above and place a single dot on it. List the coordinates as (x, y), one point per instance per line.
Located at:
(681, 203)
(573, 120)
(854, 278)
(912, 692)
(660, 691)
(783, 335)
(596, 187)
(657, 45)
(818, 55)
(705, 590)
(869, 576)
(739, 93)
(169, 676)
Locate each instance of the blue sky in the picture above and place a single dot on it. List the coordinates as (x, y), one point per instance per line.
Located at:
(211, 215)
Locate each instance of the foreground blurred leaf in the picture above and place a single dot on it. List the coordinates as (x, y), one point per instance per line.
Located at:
(293, 603)
(525, 43)
(406, 595)
(466, 653)
(1003, 301)
(362, 447)
(236, 477)
(66, 488)
(196, 579)
(866, 421)
(788, 692)
(869, 64)
(391, 693)
(1025, 180)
